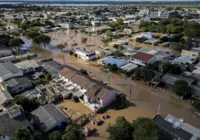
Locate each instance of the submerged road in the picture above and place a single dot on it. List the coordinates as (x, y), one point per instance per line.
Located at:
(144, 102)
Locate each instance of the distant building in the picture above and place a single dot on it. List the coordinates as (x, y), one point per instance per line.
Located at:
(85, 54)
(147, 35)
(159, 14)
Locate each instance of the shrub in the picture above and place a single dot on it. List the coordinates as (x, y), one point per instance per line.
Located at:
(76, 99)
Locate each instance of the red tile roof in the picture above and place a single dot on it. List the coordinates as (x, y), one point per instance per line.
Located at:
(143, 56)
(67, 73)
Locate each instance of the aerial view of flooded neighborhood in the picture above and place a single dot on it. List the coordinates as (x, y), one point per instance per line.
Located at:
(99, 70)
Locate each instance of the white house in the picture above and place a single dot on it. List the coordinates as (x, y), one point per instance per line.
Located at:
(147, 35)
(85, 54)
(141, 58)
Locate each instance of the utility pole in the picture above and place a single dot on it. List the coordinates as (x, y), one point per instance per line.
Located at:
(108, 77)
(158, 109)
(63, 59)
(130, 92)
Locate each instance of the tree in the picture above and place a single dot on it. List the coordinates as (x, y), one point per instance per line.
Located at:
(60, 46)
(28, 105)
(84, 71)
(118, 54)
(112, 67)
(105, 41)
(38, 135)
(177, 46)
(196, 104)
(42, 39)
(71, 133)
(84, 40)
(143, 73)
(171, 68)
(145, 129)
(121, 130)
(21, 134)
(55, 135)
(15, 42)
(180, 87)
(32, 34)
(192, 29)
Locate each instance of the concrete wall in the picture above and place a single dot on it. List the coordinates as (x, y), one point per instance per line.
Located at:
(108, 98)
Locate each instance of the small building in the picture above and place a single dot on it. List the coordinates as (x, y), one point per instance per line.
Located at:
(28, 66)
(147, 35)
(184, 60)
(170, 79)
(17, 84)
(9, 70)
(11, 119)
(192, 54)
(95, 23)
(100, 53)
(129, 67)
(141, 58)
(4, 52)
(51, 67)
(85, 54)
(5, 97)
(174, 128)
(112, 60)
(67, 25)
(48, 117)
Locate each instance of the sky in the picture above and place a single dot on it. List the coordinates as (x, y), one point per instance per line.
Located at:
(101, 0)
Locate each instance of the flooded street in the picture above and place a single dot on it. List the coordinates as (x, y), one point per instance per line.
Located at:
(142, 103)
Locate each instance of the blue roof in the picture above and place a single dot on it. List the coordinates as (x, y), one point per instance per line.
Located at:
(118, 62)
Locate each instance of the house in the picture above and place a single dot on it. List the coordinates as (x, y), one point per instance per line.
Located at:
(192, 54)
(5, 97)
(159, 14)
(100, 53)
(9, 70)
(129, 67)
(184, 60)
(170, 79)
(85, 54)
(141, 58)
(4, 51)
(28, 66)
(174, 128)
(95, 23)
(197, 65)
(17, 84)
(147, 35)
(51, 67)
(48, 117)
(67, 25)
(112, 61)
(11, 119)
(95, 94)
(127, 31)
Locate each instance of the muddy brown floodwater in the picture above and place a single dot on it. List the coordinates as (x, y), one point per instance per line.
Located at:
(143, 103)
